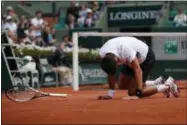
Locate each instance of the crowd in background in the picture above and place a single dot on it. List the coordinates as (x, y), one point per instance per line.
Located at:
(180, 19)
(22, 30)
(37, 31)
(27, 31)
(34, 31)
(83, 16)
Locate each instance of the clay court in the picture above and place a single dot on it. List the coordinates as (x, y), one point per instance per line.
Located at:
(82, 107)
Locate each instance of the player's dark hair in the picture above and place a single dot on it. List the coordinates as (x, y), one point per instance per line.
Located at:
(108, 64)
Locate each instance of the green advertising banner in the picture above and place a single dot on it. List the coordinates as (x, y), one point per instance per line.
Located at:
(93, 74)
(133, 16)
(175, 68)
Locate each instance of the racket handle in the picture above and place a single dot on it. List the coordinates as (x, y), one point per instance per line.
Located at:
(55, 94)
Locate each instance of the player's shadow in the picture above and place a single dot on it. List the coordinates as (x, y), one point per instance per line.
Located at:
(146, 98)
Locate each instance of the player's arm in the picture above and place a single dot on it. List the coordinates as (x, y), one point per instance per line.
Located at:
(133, 62)
(111, 81)
(138, 78)
(138, 75)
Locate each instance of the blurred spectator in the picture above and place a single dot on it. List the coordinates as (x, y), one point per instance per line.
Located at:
(23, 25)
(11, 12)
(73, 9)
(47, 36)
(65, 75)
(89, 21)
(95, 6)
(30, 22)
(39, 41)
(23, 38)
(95, 10)
(66, 44)
(11, 27)
(82, 15)
(3, 17)
(83, 10)
(180, 19)
(96, 15)
(67, 41)
(53, 33)
(20, 36)
(61, 61)
(71, 22)
(81, 21)
(58, 58)
(30, 32)
(38, 23)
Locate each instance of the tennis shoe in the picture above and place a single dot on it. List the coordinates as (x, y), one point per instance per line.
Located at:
(173, 89)
(160, 81)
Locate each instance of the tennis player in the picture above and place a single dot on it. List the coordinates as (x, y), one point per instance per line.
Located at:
(137, 61)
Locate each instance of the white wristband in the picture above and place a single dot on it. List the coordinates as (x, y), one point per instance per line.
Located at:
(111, 92)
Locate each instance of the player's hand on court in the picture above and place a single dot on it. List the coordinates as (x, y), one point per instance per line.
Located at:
(130, 98)
(105, 97)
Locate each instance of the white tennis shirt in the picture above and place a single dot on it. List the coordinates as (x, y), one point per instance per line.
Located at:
(125, 48)
(37, 22)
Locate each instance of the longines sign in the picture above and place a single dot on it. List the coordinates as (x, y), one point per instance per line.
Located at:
(133, 16)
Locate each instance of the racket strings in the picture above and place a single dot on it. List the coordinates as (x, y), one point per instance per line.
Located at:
(20, 93)
(26, 93)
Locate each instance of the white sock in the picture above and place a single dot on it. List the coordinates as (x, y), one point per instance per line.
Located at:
(157, 81)
(162, 88)
(150, 82)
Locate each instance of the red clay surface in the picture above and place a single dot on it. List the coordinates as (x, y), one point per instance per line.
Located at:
(82, 107)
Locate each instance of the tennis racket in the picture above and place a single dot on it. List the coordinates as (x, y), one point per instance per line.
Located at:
(24, 93)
